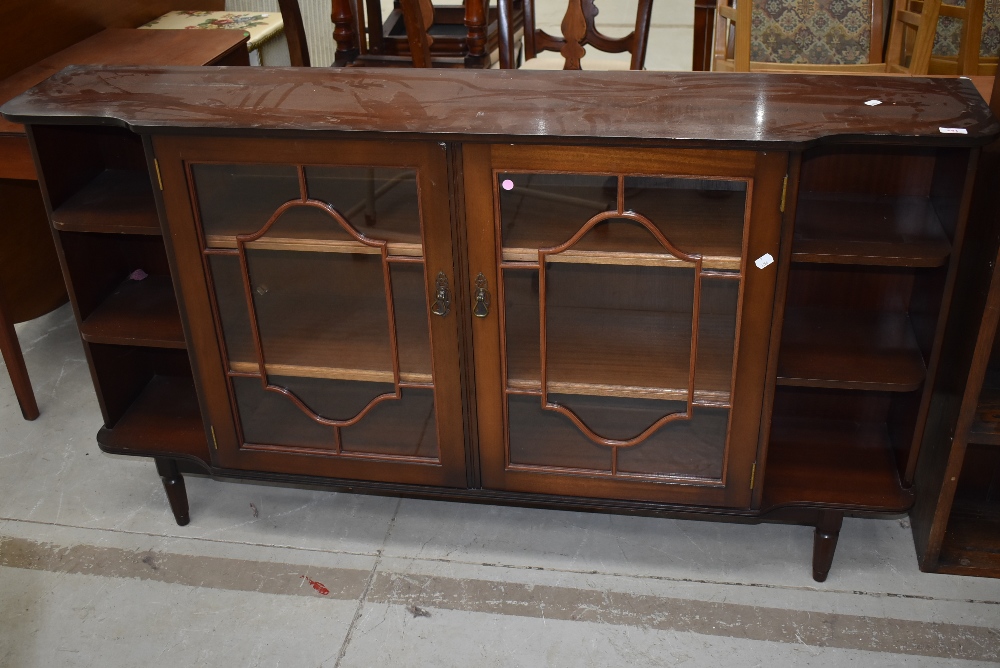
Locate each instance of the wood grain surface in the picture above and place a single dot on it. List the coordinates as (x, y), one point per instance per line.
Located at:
(659, 107)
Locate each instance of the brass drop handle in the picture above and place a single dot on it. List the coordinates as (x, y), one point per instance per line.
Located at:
(482, 306)
(442, 296)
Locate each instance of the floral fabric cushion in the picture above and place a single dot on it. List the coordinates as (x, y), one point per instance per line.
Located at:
(819, 32)
(259, 27)
(949, 32)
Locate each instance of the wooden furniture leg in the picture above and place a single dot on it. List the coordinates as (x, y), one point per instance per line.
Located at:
(11, 350)
(825, 542)
(704, 25)
(173, 484)
(342, 15)
(475, 23)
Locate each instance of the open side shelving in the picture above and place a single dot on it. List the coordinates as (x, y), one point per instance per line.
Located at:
(867, 229)
(835, 462)
(139, 313)
(116, 201)
(164, 417)
(870, 350)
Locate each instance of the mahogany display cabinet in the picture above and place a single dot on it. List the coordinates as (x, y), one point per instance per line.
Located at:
(701, 295)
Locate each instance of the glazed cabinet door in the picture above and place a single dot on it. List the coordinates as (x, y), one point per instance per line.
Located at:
(622, 304)
(316, 279)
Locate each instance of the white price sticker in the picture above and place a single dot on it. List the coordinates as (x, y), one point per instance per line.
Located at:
(764, 260)
(954, 131)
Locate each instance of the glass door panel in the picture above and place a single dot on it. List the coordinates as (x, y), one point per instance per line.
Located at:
(620, 301)
(318, 283)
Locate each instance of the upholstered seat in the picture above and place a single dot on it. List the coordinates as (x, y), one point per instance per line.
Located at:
(833, 36)
(262, 28)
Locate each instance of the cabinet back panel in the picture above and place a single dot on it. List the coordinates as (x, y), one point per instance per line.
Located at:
(71, 157)
(830, 404)
(99, 263)
(868, 170)
(852, 288)
(122, 372)
(949, 181)
(980, 478)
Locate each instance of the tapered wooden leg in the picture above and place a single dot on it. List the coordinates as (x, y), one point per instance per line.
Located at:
(10, 348)
(825, 542)
(173, 483)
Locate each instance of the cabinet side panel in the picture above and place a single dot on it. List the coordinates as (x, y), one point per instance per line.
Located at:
(964, 356)
(784, 261)
(183, 251)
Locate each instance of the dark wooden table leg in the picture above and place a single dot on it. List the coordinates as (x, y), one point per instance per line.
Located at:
(10, 348)
(173, 483)
(825, 542)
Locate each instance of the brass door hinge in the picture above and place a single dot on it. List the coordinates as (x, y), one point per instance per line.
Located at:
(784, 191)
(159, 180)
(215, 443)
(753, 474)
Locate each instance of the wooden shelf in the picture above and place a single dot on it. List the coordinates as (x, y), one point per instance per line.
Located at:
(972, 540)
(637, 354)
(116, 201)
(302, 243)
(354, 347)
(311, 230)
(986, 425)
(137, 313)
(850, 350)
(870, 230)
(164, 418)
(832, 462)
(694, 224)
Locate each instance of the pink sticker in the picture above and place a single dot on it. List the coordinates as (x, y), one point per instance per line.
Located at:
(507, 184)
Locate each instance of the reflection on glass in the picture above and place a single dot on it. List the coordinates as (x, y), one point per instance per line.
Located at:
(544, 438)
(692, 448)
(683, 448)
(540, 210)
(231, 300)
(378, 202)
(239, 199)
(699, 216)
(338, 325)
(610, 324)
(619, 329)
(268, 418)
(405, 428)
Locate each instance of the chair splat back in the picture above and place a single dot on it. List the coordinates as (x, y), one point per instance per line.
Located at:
(579, 30)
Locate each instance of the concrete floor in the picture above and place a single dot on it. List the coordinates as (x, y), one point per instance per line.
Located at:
(94, 571)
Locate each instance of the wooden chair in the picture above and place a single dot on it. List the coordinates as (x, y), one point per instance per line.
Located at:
(967, 39)
(295, 33)
(419, 34)
(840, 48)
(578, 31)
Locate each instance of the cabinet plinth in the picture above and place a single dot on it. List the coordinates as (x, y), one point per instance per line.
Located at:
(618, 313)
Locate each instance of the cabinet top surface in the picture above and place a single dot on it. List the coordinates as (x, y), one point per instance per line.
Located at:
(609, 107)
(124, 46)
